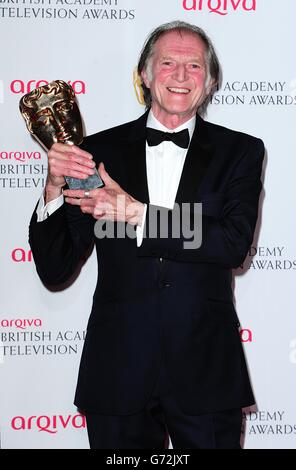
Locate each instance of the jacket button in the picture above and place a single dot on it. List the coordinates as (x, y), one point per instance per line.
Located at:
(163, 284)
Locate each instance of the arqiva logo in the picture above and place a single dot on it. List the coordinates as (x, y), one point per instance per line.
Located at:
(19, 255)
(246, 335)
(21, 323)
(221, 7)
(50, 424)
(19, 86)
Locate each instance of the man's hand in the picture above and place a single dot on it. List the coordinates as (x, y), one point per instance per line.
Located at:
(108, 203)
(66, 160)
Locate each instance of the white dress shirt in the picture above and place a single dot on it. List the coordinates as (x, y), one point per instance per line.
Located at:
(164, 163)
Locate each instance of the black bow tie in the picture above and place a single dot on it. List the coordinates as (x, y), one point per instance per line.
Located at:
(155, 137)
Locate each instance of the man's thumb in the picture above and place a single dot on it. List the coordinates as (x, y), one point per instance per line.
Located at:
(104, 175)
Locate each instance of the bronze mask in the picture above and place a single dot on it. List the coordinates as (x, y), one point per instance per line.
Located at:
(52, 115)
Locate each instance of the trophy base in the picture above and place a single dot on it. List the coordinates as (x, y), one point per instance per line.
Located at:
(92, 182)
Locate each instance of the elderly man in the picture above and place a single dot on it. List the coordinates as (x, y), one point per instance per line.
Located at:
(162, 355)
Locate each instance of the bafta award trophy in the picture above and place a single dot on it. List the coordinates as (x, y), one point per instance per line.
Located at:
(52, 115)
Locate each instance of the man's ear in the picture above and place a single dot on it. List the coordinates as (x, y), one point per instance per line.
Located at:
(145, 79)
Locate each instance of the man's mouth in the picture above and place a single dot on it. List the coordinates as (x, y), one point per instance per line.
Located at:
(181, 91)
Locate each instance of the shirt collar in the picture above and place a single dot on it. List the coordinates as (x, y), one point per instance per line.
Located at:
(155, 124)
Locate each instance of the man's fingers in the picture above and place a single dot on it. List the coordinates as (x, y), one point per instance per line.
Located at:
(89, 206)
(56, 156)
(70, 160)
(66, 148)
(66, 168)
(80, 193)
(73, 201)
(80, 201)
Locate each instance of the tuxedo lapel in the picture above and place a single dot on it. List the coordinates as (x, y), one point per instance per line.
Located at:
(135, 160)
(197, 161)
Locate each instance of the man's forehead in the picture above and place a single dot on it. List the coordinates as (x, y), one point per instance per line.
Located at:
(180, 41)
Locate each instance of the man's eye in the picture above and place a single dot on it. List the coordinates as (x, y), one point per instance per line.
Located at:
(167, 62)
(194, 66)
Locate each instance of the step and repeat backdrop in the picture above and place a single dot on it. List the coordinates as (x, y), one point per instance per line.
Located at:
(94, 45)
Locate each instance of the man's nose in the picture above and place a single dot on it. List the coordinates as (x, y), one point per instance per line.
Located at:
(180, 73)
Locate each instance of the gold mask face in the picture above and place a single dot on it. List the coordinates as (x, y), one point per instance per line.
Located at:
(52, 115)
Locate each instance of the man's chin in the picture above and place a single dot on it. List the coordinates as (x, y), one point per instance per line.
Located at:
(178, 107)
(182, 112)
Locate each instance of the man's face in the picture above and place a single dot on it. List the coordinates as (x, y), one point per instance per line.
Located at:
(177, 77)
(55, 117)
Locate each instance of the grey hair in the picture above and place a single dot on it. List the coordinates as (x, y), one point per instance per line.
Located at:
(213, 65)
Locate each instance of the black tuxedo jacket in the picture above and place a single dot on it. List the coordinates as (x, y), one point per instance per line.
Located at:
(180, 310)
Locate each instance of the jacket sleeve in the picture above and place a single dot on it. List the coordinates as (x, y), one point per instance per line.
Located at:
(60, 242)
(227, 223)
